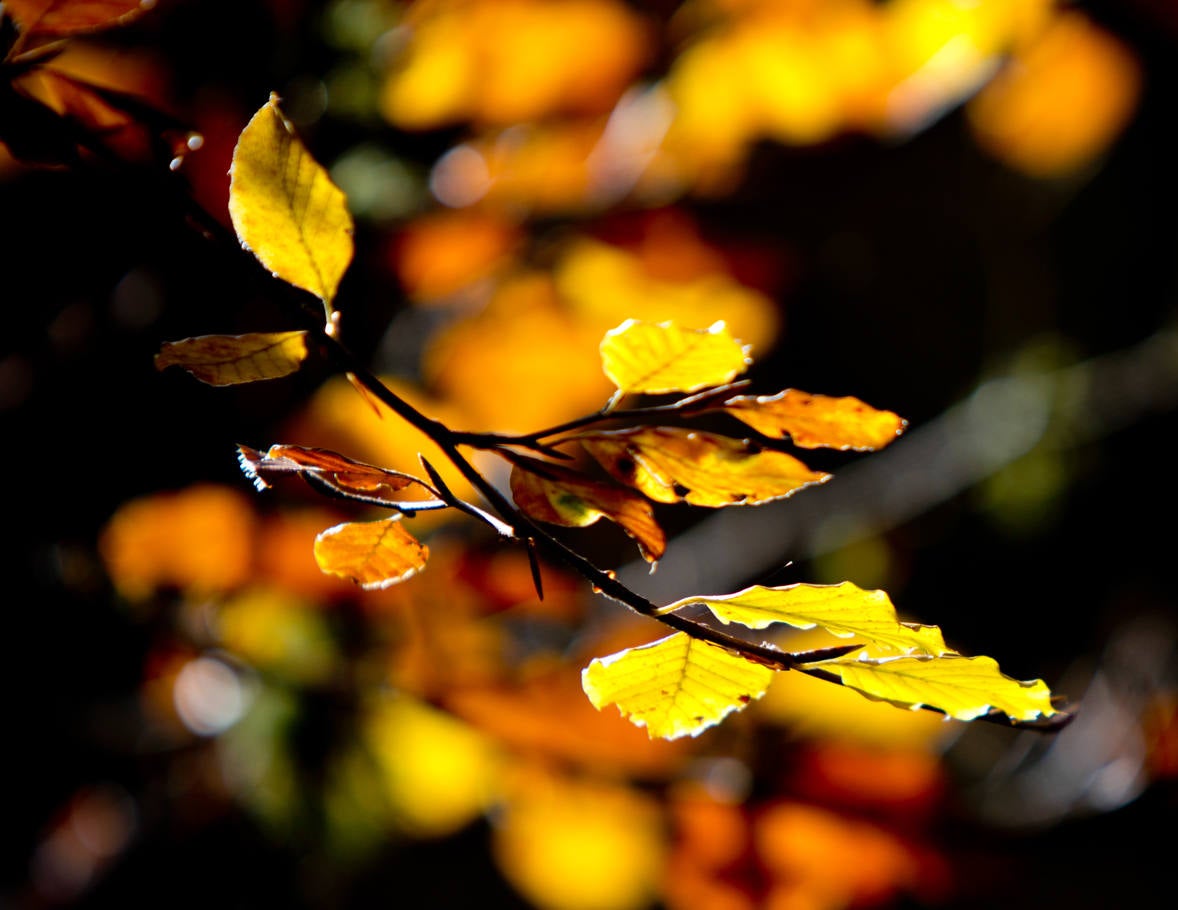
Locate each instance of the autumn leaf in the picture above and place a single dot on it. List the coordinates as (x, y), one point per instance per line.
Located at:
(71, 17)
(374, 554)
(558, 495)
(843, 610)
(233, 359)
(285, 208)
(324, 468)
(963, 687)
(670, 464)
(817, 421)
(662, 357)
(676, 686)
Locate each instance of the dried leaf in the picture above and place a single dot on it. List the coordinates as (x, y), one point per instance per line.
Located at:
(676, 686)
(70, 17)
(323, 467)
(232, 359)
(562, 496)
(670, 464)
(843, 610)
(374, 554)
(963, 687)
(285, 208)
(662, 357)
(817, 421)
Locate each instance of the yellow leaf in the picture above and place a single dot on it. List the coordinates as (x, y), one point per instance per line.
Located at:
(817, 421)
(676, 686)
(843, 610)
(374, 554)
(232, 359)
(285, 208)
(53, 17)
(675, 465)
(558, 495)
(963, 687)
(662, 357)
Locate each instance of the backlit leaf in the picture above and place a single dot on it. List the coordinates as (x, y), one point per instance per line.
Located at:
(817, 421)
(323, 467)
(669, 464)
(285, 208)
(558, 495)
(676, 686)
(69, 17)
(374, 554)
(843, 610)
(662, 357)
(963, 687)
(232, 359)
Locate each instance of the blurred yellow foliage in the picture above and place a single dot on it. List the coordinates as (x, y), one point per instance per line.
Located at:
(199, 539)
(1061, 99)
(277, 632)
(439, 255)
(505, 61)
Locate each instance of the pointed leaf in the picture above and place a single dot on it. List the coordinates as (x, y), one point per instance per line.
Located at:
(374, 554)
(558, 495)
(676, 686)
(669, 464)
(843, 610)
(285, 208)
(662, 357)
(817, 421)
(232, 359)
(70, 17)
(339, 474)
(963, 687)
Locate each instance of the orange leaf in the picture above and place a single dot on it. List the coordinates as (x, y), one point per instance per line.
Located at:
(352, 479)
(232, 359)
(561, 496)
(69, 17)
(817, 421)
(669, 464)
(374, 554)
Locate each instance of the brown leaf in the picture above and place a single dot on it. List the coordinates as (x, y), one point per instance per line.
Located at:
(323, 467)
(232, 359)
(70, 17)
(374, 554)
(817, 421)
(670, 464)
(562, 496)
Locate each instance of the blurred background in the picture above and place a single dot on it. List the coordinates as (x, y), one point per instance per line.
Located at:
(963, 212)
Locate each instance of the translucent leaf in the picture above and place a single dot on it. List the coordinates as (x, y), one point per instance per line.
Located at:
(676, 686)
(817, 421)
(675, 465)
(843, 610)
(374, 554)
(69, 17)
(558, 495)
(232, 359)
(650, 357)
(963, 687)
(325, 468)
(285, 208)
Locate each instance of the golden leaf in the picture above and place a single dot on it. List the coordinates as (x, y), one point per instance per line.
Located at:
(676, 686)
(843, 610)
(558, 495)
(374, 554)
(662, 357)
(963, 687)
(232, 359)
(675, 465)
(70, 17)
(817, 421)
(285, 208)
